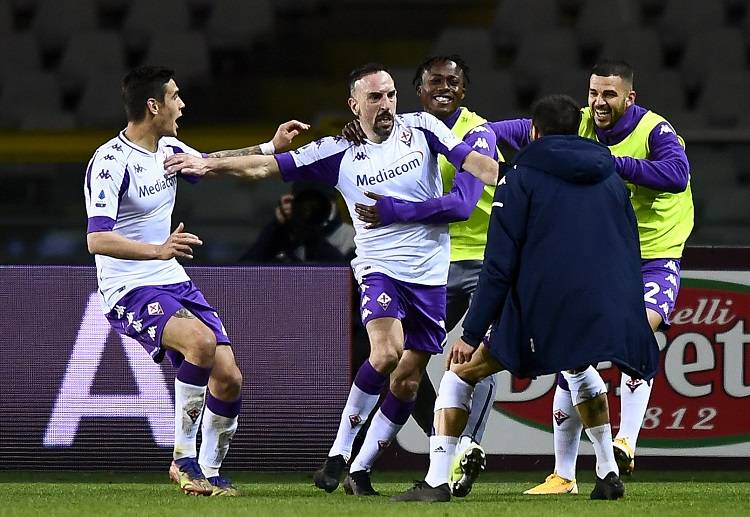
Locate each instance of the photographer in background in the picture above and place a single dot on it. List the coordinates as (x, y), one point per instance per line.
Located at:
(307, 228)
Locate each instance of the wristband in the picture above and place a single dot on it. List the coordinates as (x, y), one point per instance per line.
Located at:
(267, 148)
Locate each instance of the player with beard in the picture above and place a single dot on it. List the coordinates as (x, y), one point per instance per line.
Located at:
(441, 83)
(401, 269)
(651, 158)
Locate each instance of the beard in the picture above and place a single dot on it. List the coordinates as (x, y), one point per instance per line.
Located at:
(383, 125)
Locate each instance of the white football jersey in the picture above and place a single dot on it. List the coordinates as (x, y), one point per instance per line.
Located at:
(126, 192)
(404, 166)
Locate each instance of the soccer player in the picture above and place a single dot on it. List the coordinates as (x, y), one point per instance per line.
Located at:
(651, 158)
(146, 292)
(401, 269)
(441, 83)
(559, 200)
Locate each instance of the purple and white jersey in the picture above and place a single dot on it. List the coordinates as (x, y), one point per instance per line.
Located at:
(126, 192)
(403, 166)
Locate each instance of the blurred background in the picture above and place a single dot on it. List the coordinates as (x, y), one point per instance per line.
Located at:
(245, 66)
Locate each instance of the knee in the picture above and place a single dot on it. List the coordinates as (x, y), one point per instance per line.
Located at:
(385, 358)
(201, 343)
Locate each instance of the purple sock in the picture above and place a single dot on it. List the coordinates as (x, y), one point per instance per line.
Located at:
(223, 408)
(369, 380)
(192, 374)
(396, 410)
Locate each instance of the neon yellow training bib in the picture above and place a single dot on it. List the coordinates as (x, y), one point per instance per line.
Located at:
(665, 220)
(468, 238)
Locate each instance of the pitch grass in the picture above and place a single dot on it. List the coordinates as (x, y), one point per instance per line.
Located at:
(83, 494)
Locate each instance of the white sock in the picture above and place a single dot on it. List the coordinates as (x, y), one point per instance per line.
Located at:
(633, 404)
(378, 438)
(357, 409)
(217, 432)
(566, 432)
(481, 407)
(188, 407)
(585, 385)
(601, 437)
(442, 451)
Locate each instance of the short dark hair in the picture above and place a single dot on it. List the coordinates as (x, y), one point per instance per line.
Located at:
(140, 85)
(430, 61)
(364, 70)
(609, 67)
(556, 115)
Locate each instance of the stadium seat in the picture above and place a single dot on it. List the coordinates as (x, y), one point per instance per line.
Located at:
(31, 98)
(55, 21)
(185, 52)
(101, 103)
(683, 18)
(719, 235)
(6, 18)
(723, 102)
(641, 48)
(90, 53)
(591, 33)
(146, 19)
(492, 95)
(515, 19)
(661, 91)
(113, 5)
(572, 82)
(711, 170)
(19, 53)
(236, 25)
(728, 206)
(706, 52)
(474, 45)
(544, 54)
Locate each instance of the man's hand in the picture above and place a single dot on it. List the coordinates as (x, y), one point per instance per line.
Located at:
(286, 133)
(369, 213)
(284, 209)
(187, 164)
(178, 244)
(353, 132)
(460, 353)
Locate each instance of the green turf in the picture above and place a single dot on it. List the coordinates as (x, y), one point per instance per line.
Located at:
(650, 493)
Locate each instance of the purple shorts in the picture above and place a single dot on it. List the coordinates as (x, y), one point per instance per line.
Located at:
(421, 309)
(143, 313)
(661, 283)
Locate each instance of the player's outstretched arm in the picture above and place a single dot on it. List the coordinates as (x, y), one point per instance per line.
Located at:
(179, 244)
(482, 167)
(246, 167)
(280, 142)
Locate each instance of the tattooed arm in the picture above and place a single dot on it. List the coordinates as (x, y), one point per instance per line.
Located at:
(245, 151)
(281, 140)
